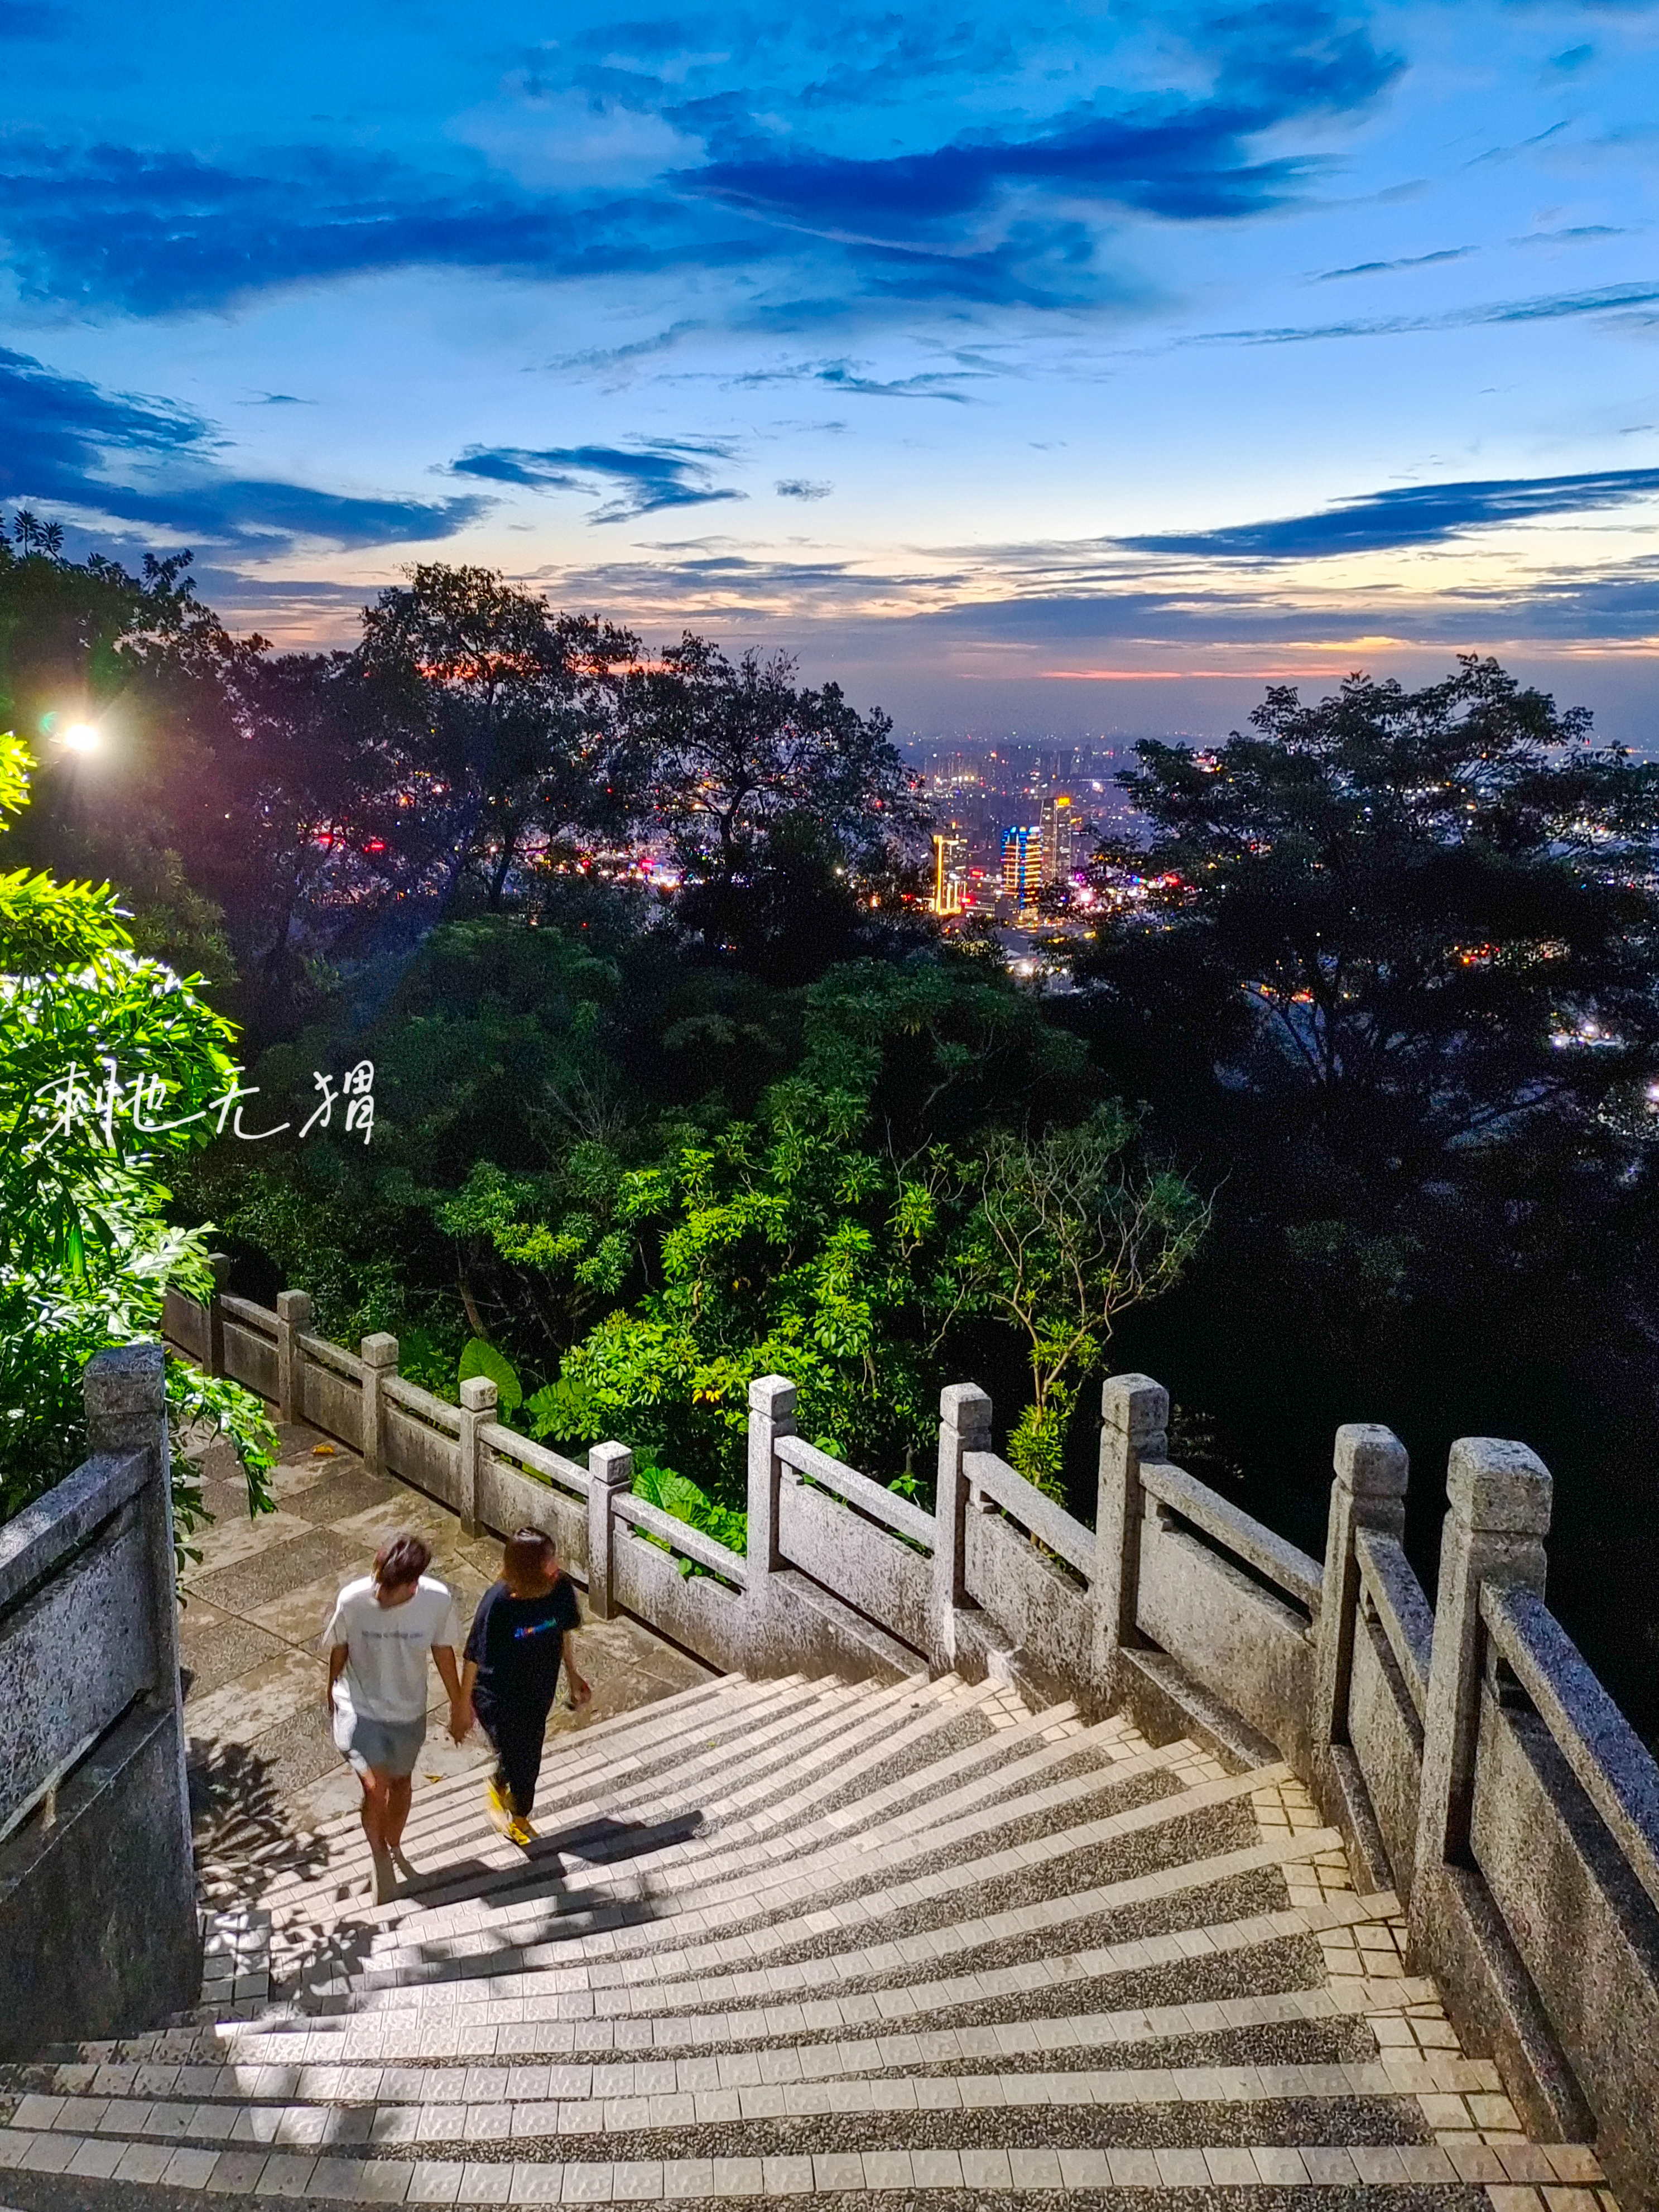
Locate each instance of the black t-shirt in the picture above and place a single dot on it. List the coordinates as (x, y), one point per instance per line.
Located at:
(516, 1643)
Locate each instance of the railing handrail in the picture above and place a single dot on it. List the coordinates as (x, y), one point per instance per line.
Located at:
(1403, 1613)
(250, 1315)
(332, 1355)
(410, 1398)
(693, 1543)
(540, 1459)
(1282, 1563)
(44, 1533)
(1611, 1763)
(858, 1490)
(1050, 1523)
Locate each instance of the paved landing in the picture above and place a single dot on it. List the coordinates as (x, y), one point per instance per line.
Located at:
(264, 1769)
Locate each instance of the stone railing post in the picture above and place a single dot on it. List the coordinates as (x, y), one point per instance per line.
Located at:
(1134, 1415)
(964, 1426)
(771, 1415)
(293, 1317)
(1500, 1497)
(610, 1468)
(1369, 1493)
(219, 1263)
(379, 1354)
(125, 1392)
(478, 1407)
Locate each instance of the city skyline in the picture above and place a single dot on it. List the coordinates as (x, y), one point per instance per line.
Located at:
(1087, 374)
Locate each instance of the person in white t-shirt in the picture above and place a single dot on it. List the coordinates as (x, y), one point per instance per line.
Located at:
(383, 1626)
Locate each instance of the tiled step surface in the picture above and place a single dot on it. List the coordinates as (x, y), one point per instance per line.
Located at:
(806, 1938)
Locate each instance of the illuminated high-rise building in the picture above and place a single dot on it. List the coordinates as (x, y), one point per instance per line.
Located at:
(1059, 828)
(1022, 864)
(950, 871)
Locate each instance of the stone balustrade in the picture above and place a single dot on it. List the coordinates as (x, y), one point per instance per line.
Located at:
(95, 1815)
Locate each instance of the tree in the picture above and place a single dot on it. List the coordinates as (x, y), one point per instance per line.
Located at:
(1417, 925)
(512, 711)
(734, 747)
(106, 1060)
(1066, 1232)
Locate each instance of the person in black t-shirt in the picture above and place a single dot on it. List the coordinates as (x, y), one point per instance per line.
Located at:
(512, 1657)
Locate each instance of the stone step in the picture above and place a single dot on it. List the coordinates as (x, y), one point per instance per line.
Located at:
(570, 2106)
(637, 1741)
(439, 1908)
(622, 1736)
(574, 2018)
(834, 1877)
(437, 1809)
(1234, 2030)
(1160, 1894)
(440, 1826)
(585, 1826)
(822, 1995)
(1396, 2178)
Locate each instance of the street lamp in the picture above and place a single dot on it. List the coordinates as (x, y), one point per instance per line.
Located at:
(80, 738)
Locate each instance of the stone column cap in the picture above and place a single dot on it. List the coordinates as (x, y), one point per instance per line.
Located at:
(965, 1405)
(128, 1378)
(1370, 1461)
(294, 1306)
(378, 1350)
(772, 1394)
(610, 1463)
(479, 1395)
(1135, 1404)
(1498, 1485)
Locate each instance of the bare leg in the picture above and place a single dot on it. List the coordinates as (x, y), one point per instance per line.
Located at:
(372, 1809)
(378, 1790)
(398, 1789)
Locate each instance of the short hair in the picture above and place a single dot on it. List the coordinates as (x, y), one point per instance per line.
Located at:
(528, 1554)
(401, 1558)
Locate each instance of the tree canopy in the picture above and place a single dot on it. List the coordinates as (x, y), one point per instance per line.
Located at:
(106, 1059)
(1418, 923)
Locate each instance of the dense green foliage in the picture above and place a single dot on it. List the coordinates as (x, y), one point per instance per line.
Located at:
(646, 1179)
(100, 1050)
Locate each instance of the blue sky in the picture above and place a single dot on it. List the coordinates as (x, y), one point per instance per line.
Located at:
(1074, 373)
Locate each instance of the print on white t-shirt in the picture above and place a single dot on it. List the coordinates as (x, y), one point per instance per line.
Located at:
(384, 1677)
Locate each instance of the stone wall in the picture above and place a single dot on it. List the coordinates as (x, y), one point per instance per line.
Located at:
(1469, 1758)
(98, 1925)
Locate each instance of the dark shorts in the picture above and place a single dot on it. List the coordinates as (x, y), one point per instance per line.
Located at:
(387, 1747)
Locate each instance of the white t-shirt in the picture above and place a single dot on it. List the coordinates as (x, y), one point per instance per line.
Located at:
(384, 1677)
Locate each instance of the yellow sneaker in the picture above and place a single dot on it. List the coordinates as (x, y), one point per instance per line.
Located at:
(498, 1806)
(521, 1833)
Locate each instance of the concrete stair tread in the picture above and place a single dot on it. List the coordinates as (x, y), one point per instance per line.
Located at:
(817, 1844)
(734, 1902)
(594, 1750)
(461, 1823)
(520, 1971)
(1407, 2173)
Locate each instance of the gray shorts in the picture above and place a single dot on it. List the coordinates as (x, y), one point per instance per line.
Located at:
(387, 1747)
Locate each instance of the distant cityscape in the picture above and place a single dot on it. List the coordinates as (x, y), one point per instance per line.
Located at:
(1015, 819)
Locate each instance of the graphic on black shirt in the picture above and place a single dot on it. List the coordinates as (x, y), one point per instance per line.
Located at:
(517, 1642)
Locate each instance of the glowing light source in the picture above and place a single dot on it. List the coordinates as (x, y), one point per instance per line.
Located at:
(81, 738)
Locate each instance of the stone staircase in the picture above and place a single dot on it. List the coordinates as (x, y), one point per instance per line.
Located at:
(815, 1938)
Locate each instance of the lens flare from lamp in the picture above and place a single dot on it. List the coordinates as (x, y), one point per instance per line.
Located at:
(80, 738)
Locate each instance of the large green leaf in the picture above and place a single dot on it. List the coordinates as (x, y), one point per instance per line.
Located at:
(478, 1357)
